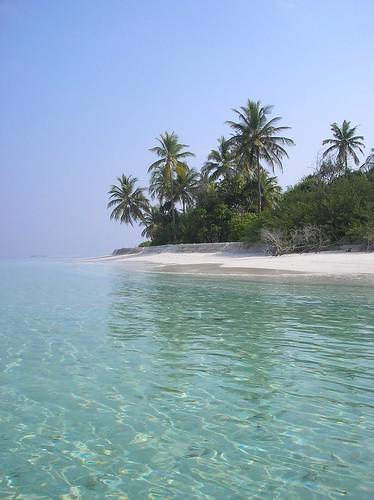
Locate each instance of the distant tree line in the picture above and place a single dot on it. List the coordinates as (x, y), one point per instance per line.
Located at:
(236, 196)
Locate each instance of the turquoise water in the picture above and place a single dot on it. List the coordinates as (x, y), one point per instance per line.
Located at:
(119, 384)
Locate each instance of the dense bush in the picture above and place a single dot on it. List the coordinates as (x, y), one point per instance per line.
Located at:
(241, 225)
(342, 208)
(202, 226)
(310, 215)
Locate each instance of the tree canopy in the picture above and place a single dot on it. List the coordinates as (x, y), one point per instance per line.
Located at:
(236, 196)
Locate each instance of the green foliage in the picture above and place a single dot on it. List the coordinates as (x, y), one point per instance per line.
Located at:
(145, 244)
(163, 229)
(344, 144)
(200, 225)
(221, 161)
(254, 227)
(234, 198)
(171, 178)
(241, 226)
(361, 228)
(256, 141)
(128, 203)
(343, 208)
(368, 165)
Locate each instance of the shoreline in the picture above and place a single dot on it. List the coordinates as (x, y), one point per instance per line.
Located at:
(336, 265)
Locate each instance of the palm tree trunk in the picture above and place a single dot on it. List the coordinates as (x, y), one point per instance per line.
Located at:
(346, 161)
(172, 206)
(173, 215)
(259, 206)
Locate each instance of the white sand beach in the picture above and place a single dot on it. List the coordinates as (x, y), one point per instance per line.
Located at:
(332, 263)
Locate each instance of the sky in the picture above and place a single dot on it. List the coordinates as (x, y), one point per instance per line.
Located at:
(86, 86)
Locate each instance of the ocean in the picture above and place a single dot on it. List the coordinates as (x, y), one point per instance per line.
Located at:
(118, 383)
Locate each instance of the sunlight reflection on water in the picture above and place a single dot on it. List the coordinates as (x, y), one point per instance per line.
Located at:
(117, 383)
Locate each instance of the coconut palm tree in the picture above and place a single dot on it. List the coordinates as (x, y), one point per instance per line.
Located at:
(159, 185)
(150, 221)
(368, 164)
(171, 162)
(220, 161)
(130, 204)
(186, 187)
(344, 144)
(270, 190)
(255, 140)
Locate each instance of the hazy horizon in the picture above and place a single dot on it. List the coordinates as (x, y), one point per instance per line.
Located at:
(86, 87)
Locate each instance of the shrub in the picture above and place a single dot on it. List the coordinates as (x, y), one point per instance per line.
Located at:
(341, 209)
(255, 225)
(362, 228)
(240, 225)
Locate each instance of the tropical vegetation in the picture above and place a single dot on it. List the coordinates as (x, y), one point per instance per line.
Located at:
(235, 196)
(128, 203)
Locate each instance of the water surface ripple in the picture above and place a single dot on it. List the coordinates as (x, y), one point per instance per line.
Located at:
(118, 384)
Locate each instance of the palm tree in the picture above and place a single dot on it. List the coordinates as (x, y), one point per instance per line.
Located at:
(130, 204)
(270, 190)
(344, 144)
(368, 164)
(220, 161)
(171, 162)
(149, 221)
(207, 189)
(255, 139)
(159, 186)
(186, 187)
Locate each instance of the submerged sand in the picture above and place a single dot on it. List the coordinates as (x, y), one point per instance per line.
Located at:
(333, 264)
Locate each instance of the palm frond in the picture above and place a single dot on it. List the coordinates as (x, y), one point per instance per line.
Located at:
(344, 144)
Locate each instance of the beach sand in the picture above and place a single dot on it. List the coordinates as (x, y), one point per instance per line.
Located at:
(327, 264)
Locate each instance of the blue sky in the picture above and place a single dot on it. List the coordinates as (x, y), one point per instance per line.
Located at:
(86, 86)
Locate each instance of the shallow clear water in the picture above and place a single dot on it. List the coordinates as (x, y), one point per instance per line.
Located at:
(159, 386)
